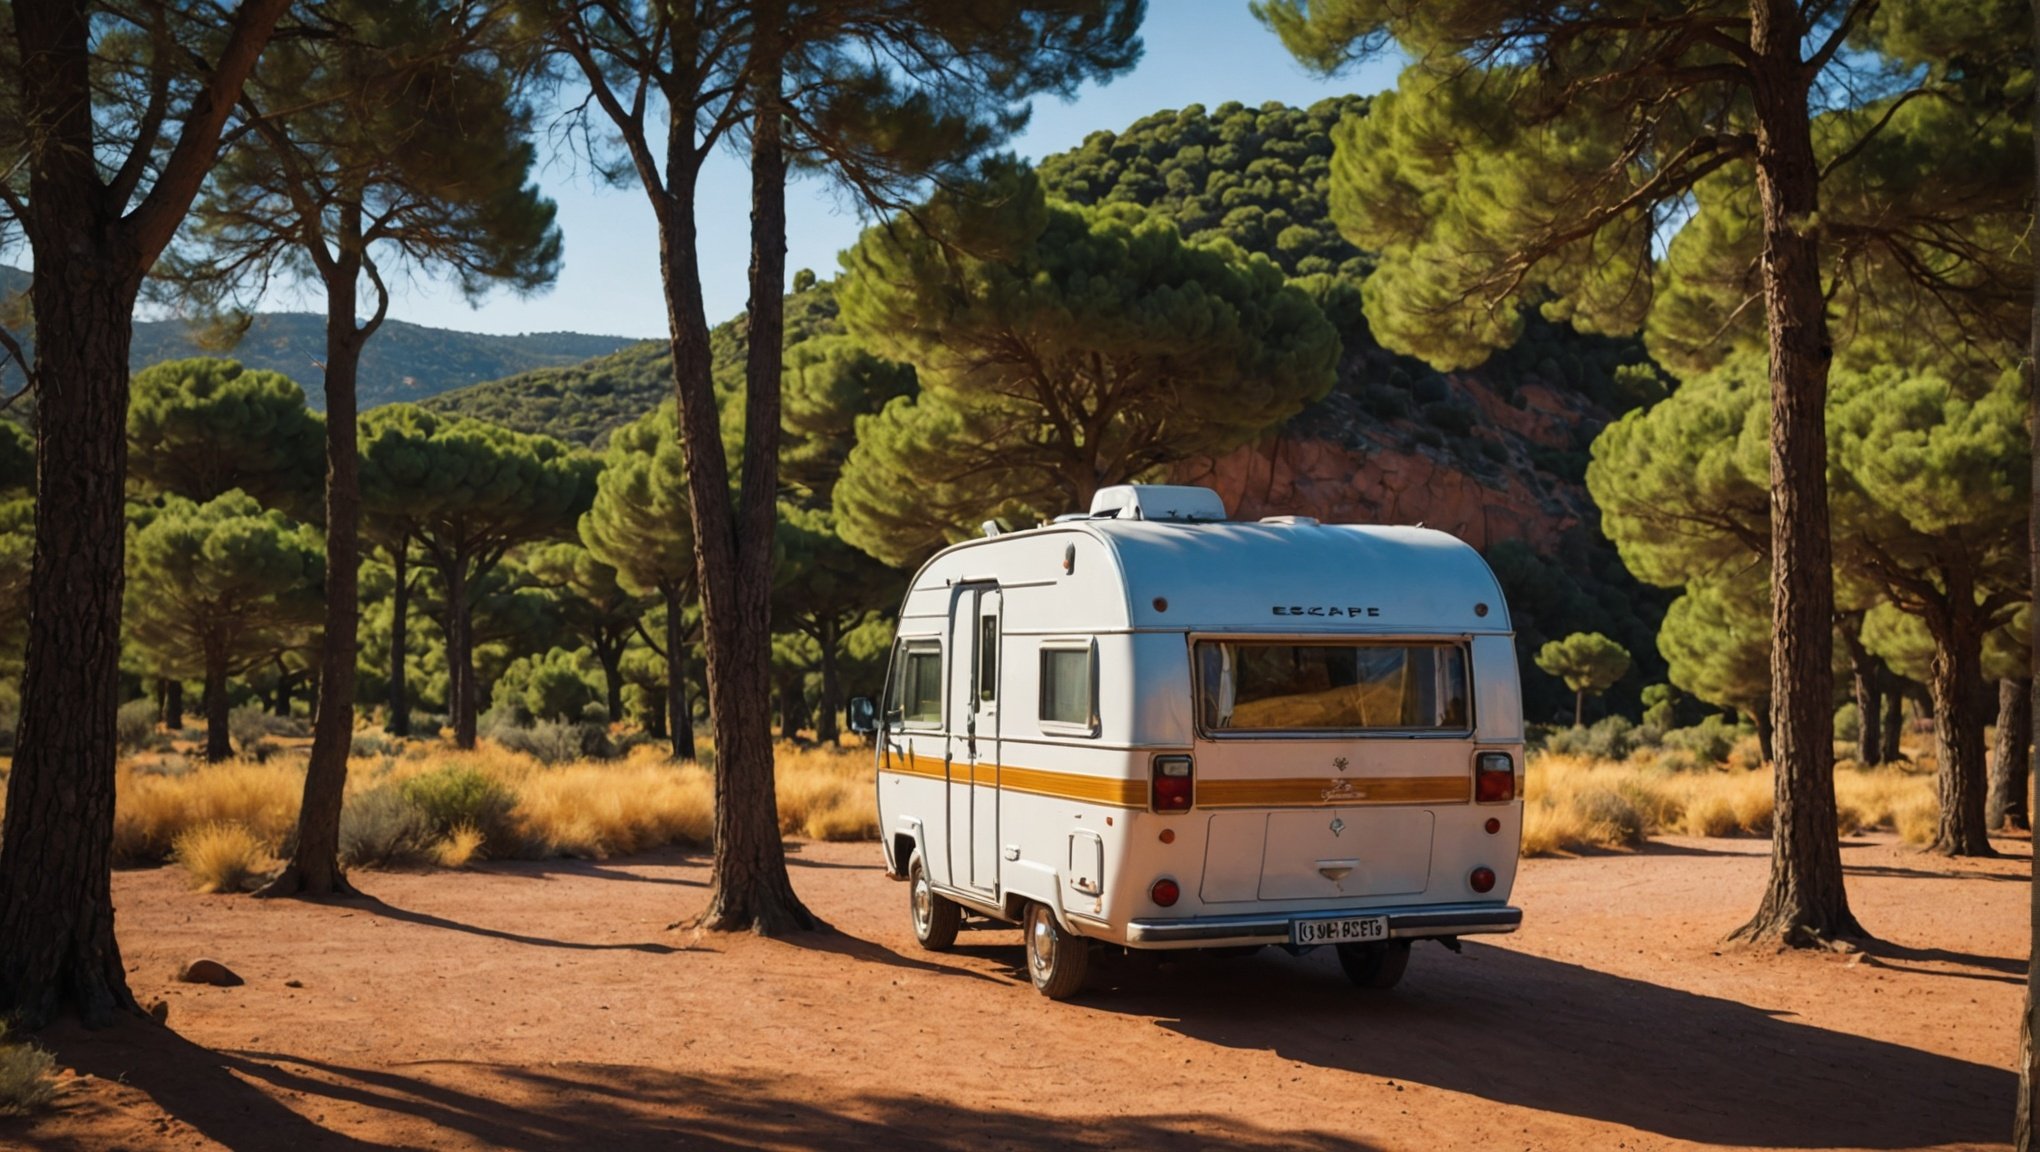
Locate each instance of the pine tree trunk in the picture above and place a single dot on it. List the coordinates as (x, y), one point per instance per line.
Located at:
(2011, 760)
(655, 717)
(280, 699)
(1579, 707)
(1893, 726)
(1765, 750)
(400, 629)
(611, 658)
(56, 909)
(748, 886)
(826, 729)
(678, 711)
(460, 661)
(173, 703)
(56, 912)
(2026, 1118)
(1863, 688)
(1804, 902)
(314, 866)
(1956, 682)
(219, 743)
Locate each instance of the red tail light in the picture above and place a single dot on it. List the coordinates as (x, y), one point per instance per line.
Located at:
(1483, 879)
(1494, 778)
(1175, 784)
(1165, 893)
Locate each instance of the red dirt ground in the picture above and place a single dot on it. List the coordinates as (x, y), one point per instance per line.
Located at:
(547, 1006)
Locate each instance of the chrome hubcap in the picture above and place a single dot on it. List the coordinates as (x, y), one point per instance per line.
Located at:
(924, 902)
(1041, 944)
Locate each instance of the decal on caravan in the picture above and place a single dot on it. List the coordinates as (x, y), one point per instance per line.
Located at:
(1151, 727)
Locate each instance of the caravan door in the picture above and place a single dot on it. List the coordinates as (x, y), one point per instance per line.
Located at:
(973, 739)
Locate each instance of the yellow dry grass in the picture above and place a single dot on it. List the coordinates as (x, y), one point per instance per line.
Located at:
(221, 857)
(1574, 803)
(589, 808)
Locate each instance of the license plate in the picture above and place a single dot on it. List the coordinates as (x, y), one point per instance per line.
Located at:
(1349, 930)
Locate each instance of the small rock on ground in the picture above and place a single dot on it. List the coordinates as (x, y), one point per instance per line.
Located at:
(203, 971)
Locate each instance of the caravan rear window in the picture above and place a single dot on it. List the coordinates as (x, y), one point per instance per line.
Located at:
(1280, 686)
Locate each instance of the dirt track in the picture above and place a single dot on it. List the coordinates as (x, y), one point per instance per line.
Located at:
(546, 1006)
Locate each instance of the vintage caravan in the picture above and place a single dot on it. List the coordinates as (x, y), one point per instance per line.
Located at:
(1151, 727)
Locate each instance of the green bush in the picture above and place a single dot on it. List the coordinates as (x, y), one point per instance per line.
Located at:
(1611, 738)
(134, 726)
(458, 795)
(1709, 741)
(1848, 723)
(381, 828)
(1617, 815)
(552, 742)
(25, 1082)
(248, 725)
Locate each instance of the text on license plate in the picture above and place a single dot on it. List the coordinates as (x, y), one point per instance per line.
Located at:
(1349, 930)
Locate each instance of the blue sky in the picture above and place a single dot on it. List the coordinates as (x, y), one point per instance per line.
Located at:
(1198, 52)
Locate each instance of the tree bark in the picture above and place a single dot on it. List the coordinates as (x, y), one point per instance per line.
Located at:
(400, 626)
(1579, 707)
(460, 662)
(219, 743)
(1956, 686)
(173, 703)
(748, 885)
(314, 866)
(1893, 726)
(2026, 1118)
(91, 252)
(611, 659)
(280, 699)
(1766, 751)
(1863, 688)
(1804, 902)
(826, 729)
(679, 713)
(2011, 760)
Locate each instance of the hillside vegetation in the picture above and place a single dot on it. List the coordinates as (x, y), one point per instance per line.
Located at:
(405, 361)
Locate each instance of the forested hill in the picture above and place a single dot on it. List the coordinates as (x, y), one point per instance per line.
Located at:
(403, 362)
(1496, 455)
(584, 403)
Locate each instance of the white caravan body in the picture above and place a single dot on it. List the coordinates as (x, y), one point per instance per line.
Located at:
(1333, 689)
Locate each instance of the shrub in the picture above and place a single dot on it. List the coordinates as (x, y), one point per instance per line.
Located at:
(134, 726)
(25, 1081)
(1848, 723)
(371, 743)
(1660, 706)
(1611, 738)
(248, 725)
(220, 857)
(1709, 741)
(1612, 817)
(379, 828)
(460, 846)
(460, 796)
(151, 809)
(552, 742)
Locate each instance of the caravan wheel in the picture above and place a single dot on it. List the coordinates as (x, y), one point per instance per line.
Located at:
(936, 918)
(1375, 965)
(1056, 961)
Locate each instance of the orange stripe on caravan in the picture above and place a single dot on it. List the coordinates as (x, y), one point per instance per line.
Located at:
(1036, 781)
(1322, 792)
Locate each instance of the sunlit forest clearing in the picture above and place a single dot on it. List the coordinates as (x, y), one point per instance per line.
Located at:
(1101, 573)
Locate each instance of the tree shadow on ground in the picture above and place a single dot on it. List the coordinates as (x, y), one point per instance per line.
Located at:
(1538, 1033)
(586, 869)
(574, 1106)
(390, 911)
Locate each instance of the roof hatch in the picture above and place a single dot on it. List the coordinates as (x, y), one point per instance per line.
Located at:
(1158, 502)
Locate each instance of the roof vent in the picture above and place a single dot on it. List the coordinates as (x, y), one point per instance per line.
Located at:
(1293, 521)
(1157, 502)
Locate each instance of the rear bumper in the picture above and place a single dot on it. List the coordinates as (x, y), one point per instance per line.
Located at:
(1405, 923)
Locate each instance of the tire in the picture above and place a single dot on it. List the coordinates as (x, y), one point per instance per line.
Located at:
(936, 918)
(1375, 965)
(1057, 961)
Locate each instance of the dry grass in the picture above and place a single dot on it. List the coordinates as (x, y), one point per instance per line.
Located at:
(221, 857)
(460, 846)
(1574, 803)
(25, 1082)
(210, 817)
(153, 808)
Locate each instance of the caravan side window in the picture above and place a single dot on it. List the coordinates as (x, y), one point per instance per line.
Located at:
(1069, 689)
(918, 693)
